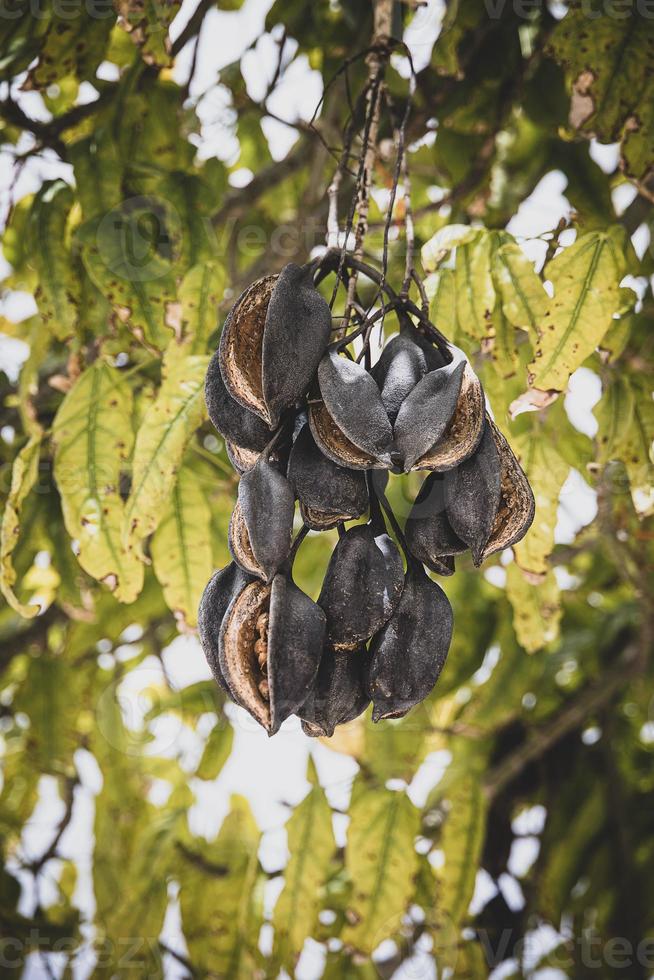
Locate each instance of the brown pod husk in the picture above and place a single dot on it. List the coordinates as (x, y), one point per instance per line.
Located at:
(272, 341)
(515, 513)
(234, 422)
(428, 409)
(243, 460)
(354, 402)
(261, 527)
(362, 586)
(463, 433)
(473, 494)
(218, 593)
(270, 644)
(328, 493)
(408, 654)
(334, 444)
(429, 535)
(338, 695)
(401, 366)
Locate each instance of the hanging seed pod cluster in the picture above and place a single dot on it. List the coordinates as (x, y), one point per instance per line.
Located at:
(313, 432)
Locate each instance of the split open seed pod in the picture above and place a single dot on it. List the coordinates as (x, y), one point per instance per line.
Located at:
(261, 526)
(334, 444)
(354, 404)
(362, 586)
(328, 493)
(273, 340)
(429, 535)
(472, 495)
(271, 640)
(515, 512)
(338, 694)
(241, 459)
(235, 423)
(408, 654)
(463, 431)
(218, 593)
(427, 411)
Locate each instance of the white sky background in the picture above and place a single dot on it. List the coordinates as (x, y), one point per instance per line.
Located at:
(271, 772)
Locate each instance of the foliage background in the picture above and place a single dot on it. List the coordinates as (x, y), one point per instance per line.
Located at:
(507, 823)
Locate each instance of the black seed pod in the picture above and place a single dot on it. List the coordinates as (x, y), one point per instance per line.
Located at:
(334, 444)
(262, 522)
(338, 695)
(362, 586)
(429, 535)
(400, 367)
(234, 422)
(428, 409)
(273, 340)
(472, 496)
(270, 644)
(354, 402)
(328, 493)
(408, 654)
(463, 432)
(218, 593)
(516, 509)
(241, 459)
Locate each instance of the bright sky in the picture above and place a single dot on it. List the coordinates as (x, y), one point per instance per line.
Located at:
(271, 772)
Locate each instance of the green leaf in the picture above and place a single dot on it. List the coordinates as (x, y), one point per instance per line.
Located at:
(439, 245)
(625, 415)
(381, 861)
(221, 911)
(181, 546)
(475, 293)
(312, 847)
(24, 474)
(524, 300)
(610, 63)
(200, 295)
(547, 471)
(57, 291)
(461, 842)
(148, 24)
(73, 45)
(122, 251)
(536, 607)
(217, 749)
(442, 307)
(166, 429)
(585, 277)
(92, 435)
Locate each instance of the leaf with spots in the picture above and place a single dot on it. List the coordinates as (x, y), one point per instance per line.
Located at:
(312, 848)
(92, 436)
(24, 475)
(442, 301)
(147, 21)
(461, 842)
(522, 294)
(381, 861)
(586, 278)
(162, 438)
(181, 547)
(57, 294)
(475, 292)
(536, 607)
(124, 251)
(625, 415)
(199, 295)
(73, 45)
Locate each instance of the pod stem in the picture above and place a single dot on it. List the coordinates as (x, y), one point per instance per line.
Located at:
(295, 546)
(399, 533)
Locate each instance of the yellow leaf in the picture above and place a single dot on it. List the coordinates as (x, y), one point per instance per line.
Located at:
(445, 239)
(442, 307)
(92, 435)
(625, 415)
(524, 300)
(200, 293)
(461, 842)
(475, 293)
(536, 608)
(23, 477)
(312, 846)
(161, 440)
(586, 278)
(382, 862)
(181, 546)
(547, 471)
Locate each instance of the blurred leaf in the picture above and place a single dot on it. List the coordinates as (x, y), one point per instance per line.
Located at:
(536, 608)
(92, 436)
(217, 749)
(625, 415)
(524, 300)
(200, 294)
(381, 861)
(148, 24)
(57, 291)
(24, 475)
(547, 471)
(461, 841)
